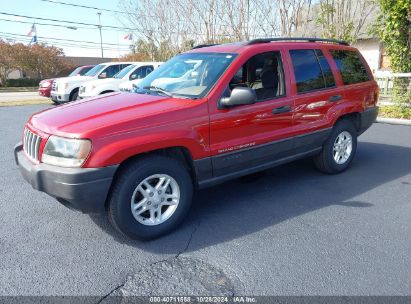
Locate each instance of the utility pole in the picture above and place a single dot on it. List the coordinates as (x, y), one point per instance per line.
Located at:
(101, 36)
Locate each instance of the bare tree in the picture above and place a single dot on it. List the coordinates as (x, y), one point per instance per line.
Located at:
(344, 19)
(167, 27)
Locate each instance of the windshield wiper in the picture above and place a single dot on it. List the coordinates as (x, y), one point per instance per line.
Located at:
(158, 89)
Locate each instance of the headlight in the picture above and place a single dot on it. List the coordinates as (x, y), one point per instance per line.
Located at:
(66, 152)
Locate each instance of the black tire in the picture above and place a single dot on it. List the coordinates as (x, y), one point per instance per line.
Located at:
(74, 95)
(119, 207)
(325, 161)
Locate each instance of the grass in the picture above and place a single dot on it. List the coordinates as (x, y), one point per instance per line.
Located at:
(18, 89)
(25, 102)
(395, 111)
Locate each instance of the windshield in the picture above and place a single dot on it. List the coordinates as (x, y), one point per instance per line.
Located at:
(124, 72)
(94, 71)
(75, 72)
(191, 74)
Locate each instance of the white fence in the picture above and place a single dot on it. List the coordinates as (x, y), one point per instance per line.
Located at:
(386, 83)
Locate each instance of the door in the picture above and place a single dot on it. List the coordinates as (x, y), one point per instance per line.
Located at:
(247, 137)
(316, 93)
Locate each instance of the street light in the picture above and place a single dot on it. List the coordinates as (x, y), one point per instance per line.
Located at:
(101, 36)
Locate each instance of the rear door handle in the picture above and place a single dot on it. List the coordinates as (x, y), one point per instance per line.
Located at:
(282, 109)
(335, 98)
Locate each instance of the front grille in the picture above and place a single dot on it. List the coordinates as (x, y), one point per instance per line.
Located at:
(31, 144)
(55, 86)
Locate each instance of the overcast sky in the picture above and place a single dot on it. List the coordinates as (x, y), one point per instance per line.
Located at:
(41, 9)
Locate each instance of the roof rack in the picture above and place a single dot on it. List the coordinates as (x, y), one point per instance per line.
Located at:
(266, 40)
(204, 45)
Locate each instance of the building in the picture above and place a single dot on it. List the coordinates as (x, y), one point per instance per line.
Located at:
(373, 52)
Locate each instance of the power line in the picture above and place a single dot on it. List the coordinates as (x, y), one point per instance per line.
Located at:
(123, 29)
(70, 40)
(77, 45)
(67, 21)
(84, 6)
(48, 24)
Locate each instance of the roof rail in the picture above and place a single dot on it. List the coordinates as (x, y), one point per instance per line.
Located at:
(266, 40)
(204, 45)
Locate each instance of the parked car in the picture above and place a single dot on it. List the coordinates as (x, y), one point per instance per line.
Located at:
(46, 84)
(135, 71)
(245, 107)
(67, 89)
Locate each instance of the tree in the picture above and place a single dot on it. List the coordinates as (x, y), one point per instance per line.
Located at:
(7, 61)
(393, 26)
(43, 60)
(344, 19)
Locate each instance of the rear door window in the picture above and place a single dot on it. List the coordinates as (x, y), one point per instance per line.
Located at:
(311, 70)
(351, 66)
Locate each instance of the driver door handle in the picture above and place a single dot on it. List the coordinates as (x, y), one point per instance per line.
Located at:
(283, 109)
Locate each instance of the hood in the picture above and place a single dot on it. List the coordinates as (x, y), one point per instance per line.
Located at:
(106, 114)
(129, 84)
(73, 79)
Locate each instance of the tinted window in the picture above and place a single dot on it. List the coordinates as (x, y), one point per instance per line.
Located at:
(307, 70)
(351, 66)
(85, 70)
(141, 72)
(113, 70)
(325, 67)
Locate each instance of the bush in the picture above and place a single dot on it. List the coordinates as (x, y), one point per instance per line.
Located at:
(22, 82)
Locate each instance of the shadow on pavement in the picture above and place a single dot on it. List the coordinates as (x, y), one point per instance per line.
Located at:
(250, 204)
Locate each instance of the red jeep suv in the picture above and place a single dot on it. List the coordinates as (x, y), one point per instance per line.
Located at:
(206, 116)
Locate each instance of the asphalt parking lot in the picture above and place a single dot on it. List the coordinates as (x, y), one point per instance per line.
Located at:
(287, 231)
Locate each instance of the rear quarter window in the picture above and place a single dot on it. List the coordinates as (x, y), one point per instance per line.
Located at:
(311, 70)
(351, 66)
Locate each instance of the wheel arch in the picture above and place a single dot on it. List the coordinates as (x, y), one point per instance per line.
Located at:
(354, 117)
(73, 91)
(106, 92)
(179, 153)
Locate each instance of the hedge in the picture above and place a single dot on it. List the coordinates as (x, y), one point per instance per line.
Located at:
(22, 82)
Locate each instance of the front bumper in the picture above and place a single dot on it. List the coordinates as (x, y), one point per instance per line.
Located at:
(368, 117)
(83, 189)
(58, 97)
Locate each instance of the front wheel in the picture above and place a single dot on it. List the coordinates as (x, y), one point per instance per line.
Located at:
(150, 197)
(339, 149)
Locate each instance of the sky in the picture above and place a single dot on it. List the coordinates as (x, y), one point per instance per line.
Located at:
(116, 46)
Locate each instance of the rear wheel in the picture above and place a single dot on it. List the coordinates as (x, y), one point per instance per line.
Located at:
(339, 149)
(151, 197)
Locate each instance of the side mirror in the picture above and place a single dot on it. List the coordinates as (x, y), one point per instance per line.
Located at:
(132, 77)
(239, 96)
(102, 75)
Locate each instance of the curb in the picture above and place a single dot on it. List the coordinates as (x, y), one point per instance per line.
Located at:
(394, 121)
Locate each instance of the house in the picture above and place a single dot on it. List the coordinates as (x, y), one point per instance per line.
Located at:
(373, 52)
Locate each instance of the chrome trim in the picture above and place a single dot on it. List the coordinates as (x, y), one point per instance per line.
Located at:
(31, 144)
